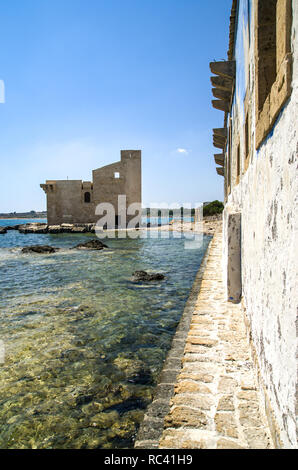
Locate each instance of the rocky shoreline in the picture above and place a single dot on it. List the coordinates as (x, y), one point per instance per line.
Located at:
(208, 227)
(39, 227)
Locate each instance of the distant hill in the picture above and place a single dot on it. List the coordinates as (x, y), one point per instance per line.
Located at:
(24, 215)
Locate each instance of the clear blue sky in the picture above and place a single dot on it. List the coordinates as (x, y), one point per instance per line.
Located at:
(86, 78)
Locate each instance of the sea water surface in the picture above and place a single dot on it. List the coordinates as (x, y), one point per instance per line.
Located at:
(83, 343)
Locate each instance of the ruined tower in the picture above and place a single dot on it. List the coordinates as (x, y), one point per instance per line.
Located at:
(75, 201)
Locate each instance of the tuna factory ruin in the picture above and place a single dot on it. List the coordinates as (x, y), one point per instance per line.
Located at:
(75, 201)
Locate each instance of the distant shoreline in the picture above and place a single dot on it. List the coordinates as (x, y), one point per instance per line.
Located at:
(17, 217)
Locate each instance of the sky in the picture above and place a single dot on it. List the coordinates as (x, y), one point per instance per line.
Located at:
(86, 78)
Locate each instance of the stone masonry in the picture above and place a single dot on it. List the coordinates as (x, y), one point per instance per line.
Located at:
(260, 154)
(77, 202)
(215, 401)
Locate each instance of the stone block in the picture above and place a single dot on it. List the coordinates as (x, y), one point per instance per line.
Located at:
(207, 378)
(186, 417)
(226, 424)
(226, 403)
(195, 400)
(228, 444)
(207, 342)
(188, 386)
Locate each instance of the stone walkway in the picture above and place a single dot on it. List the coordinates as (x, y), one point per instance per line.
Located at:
(216, 402)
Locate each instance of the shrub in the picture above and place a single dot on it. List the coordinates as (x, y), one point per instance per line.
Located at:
(214, 207)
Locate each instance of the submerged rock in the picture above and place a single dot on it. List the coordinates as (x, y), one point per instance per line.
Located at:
(91, 245)
(84, 399)
(130, 404)
(39, 249)
(141, 377)
(3, 230)
(72, 355)
(144, 276)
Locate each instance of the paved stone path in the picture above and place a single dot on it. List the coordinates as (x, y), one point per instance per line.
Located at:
(216, 403)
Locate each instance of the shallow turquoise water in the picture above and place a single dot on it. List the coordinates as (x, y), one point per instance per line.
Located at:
(6, 222)
(83, 344)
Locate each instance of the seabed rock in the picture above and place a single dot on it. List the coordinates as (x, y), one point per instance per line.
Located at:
(144, 276)
(39, 249)
(91, 245)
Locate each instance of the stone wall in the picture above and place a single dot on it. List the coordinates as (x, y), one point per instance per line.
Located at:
(65, 202)
(266, 196)
(66, 199)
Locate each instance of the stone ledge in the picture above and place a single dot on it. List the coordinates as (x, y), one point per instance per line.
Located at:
(216, 403)
(160, 406)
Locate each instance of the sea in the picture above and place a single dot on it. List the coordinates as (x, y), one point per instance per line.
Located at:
(82, 344)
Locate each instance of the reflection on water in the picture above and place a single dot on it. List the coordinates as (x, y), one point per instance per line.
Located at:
(83, 344)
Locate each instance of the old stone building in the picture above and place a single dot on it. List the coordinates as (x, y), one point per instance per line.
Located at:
(75, 201)
(257, 90)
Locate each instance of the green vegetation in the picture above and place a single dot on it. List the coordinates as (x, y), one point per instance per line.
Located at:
(210, 208)
(214, 207)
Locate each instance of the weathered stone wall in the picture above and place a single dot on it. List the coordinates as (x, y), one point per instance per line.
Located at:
(66, 198)
(65, 202)
(266, 196)
(128, 181)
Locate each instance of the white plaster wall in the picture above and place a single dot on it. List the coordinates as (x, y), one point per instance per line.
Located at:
(267, 198)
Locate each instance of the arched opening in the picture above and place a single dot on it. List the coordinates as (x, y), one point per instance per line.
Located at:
(87, 197)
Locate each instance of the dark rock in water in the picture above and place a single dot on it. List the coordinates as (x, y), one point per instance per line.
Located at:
(39, 249)
(72, 355)
(130, 404)
(142, 377)
(84, 399)
(3, 230)
(91, 245)
(144, 276)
